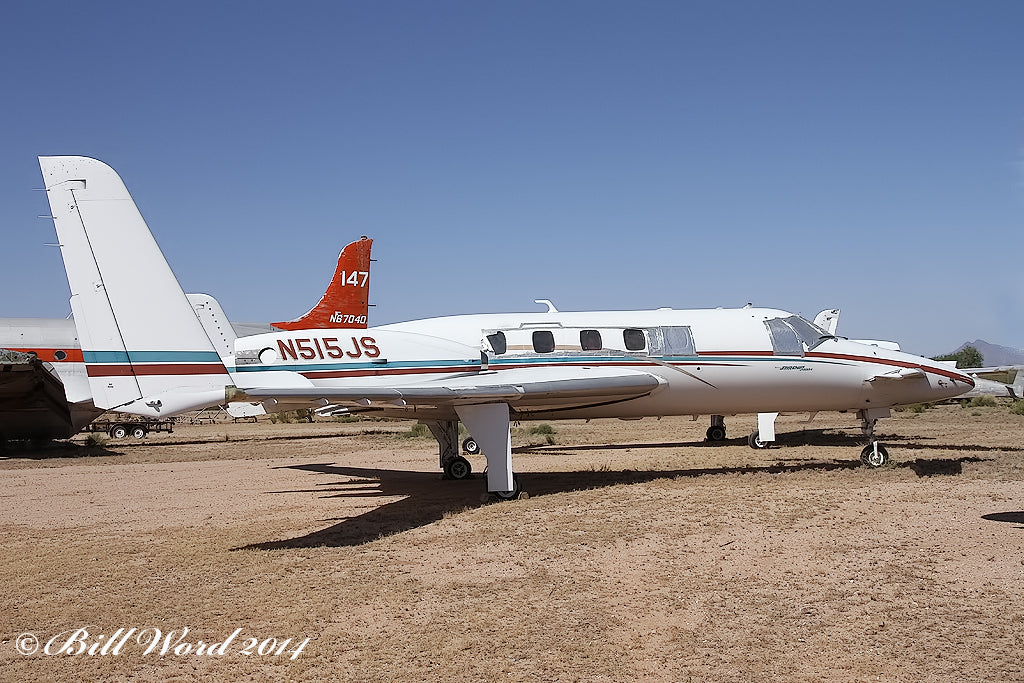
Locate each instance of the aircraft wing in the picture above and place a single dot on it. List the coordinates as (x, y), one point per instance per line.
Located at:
(999, 373)
(525, 388)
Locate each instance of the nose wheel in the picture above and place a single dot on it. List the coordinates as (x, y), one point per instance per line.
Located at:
(874, 455)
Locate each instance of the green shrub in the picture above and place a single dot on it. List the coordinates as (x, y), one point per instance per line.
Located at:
(1018, 407)
(983, 401)
(542, 429)
(417, 431)
(95, 440)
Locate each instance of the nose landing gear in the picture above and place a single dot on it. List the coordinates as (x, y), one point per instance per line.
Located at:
(874, 454)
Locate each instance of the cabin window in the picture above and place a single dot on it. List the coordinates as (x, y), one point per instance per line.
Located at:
(60, 355)
(672, 341)
(590, 340)
(785, 341)
(498, 343)
(543, 341)
(634, 340)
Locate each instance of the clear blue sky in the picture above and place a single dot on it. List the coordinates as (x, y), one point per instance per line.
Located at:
(864, 155)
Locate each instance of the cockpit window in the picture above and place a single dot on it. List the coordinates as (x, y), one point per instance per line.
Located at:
(790, 335)
(784, 339)
(809, 333)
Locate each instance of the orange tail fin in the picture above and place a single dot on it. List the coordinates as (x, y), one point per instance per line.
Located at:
(345, 304)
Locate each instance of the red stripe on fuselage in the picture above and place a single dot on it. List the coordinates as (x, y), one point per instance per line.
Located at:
(140, 370)
(949, 374)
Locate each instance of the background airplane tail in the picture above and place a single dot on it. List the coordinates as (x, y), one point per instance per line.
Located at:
(345, 304)
(144, 348)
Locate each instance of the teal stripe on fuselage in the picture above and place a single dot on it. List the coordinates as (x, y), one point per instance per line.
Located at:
(151, 357)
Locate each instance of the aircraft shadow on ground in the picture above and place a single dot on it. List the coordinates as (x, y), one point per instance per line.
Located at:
(53, 449)
(806, 437)
(425, 498)
(1011, 517)
(70, 449)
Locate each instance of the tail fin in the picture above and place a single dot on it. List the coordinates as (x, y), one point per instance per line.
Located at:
(1016, 388)
(145, 350)
(345, 304)
(216, 325)
(828, 320)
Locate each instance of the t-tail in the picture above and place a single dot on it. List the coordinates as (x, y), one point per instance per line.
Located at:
(144, 349)
(345, 304)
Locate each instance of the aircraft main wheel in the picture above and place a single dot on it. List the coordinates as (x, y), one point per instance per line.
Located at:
(470, 445)
(118, 432)
(513, 494)
(716, 433)
(139, 432)
(874, 455)
(458, 468)
(754, 441)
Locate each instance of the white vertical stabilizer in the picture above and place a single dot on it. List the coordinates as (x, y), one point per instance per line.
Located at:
(144, 348)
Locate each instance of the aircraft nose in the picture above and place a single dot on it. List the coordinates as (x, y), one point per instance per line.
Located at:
(948, 382)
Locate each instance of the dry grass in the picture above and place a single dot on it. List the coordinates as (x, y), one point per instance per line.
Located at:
(642, 553)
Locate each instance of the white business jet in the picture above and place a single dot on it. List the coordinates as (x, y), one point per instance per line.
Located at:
(147, 353)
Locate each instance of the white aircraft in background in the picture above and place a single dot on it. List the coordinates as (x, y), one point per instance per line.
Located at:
(1004, 381)
(146, 352)
(344, 305)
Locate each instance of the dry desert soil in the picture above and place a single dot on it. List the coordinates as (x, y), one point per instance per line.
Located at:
(642, 553)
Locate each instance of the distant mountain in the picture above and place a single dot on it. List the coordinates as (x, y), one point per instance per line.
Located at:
(994, 354)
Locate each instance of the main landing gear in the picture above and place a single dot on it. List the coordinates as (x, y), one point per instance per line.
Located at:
(489, 424)
(764, 435)
(716, 432)
(453, 465)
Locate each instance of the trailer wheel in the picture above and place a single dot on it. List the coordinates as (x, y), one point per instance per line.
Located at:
(139, 432)
(118, 432)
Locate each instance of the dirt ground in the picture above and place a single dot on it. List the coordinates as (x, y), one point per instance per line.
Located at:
(642, 553)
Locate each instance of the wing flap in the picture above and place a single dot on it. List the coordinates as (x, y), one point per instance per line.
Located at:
(525, 387)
